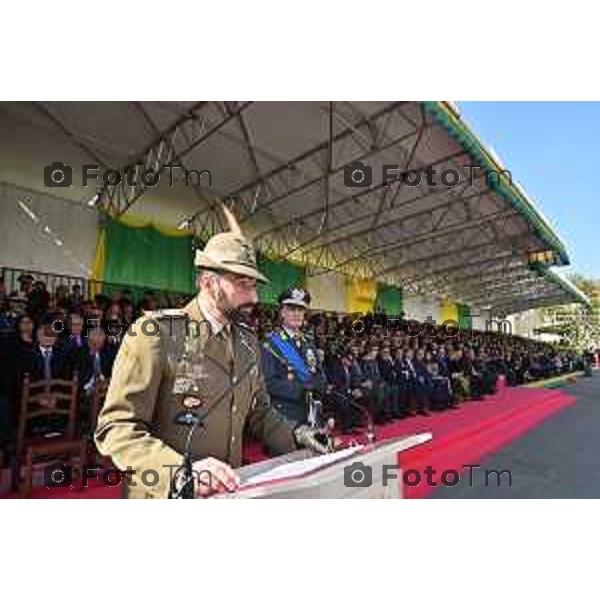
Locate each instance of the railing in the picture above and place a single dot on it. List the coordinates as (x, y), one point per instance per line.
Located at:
(90, 287)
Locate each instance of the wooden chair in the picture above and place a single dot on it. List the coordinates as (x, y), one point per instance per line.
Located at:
(96, 401)
(49, 400)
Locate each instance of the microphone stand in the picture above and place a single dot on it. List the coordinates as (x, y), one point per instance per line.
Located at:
(370, 433)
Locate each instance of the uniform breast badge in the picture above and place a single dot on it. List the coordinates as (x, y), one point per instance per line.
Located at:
(311, 360)
(189, 375)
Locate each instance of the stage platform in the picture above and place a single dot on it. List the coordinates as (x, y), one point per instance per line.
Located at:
(460, 437)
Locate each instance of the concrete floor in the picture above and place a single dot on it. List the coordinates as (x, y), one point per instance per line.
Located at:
(558, 459)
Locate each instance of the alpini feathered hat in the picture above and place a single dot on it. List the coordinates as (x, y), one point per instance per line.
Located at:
(230, 252)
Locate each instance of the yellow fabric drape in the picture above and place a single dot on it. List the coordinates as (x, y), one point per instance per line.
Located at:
(98, 264)
(448, 311)
(328, 291)
(138, 221)
(360, 295)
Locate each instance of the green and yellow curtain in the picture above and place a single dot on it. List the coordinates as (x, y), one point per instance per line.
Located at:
(464, 316)
(360, 295)
(137, 252)
(454, 311)
(388, 299)
(448, 311)
(281, 275)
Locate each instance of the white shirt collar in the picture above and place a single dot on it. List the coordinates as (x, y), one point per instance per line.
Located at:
(292, 334)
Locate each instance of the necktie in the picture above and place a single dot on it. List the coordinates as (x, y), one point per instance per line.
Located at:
(97, 366)
(412, 369)
(224, 337)
(47, 353)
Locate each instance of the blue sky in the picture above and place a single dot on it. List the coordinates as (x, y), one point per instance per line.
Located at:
(552, 149)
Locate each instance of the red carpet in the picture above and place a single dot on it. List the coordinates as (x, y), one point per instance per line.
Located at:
(479, 429)
(460, 437)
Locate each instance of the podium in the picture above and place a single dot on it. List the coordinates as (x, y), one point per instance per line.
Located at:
(361, 471)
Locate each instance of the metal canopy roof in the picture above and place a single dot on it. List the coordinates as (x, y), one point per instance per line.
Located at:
(281, 165)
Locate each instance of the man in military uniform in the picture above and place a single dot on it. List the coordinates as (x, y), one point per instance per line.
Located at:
(292, 372)
(186, 382)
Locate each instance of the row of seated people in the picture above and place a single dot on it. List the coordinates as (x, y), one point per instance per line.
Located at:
(40, 354)
(397, 385)
(393, 372)
(33, 298)
(389, 372)
(521, 360)
(91, 330)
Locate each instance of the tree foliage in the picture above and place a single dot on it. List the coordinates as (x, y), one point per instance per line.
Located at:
(577, 324)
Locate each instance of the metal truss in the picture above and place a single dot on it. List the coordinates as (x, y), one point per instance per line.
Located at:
(457, 244)
(518, 304)
(267, 189)
(520, 284)
(387, 240)
(508, 248)
(450, 231)
(474, 275)
(448, 278)
(287, 179)
(370, 230)
(194, 126)
(337, 258)
(511, 304)
(47, 113)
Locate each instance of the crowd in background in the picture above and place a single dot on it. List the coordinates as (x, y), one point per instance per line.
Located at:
(388, 366)
(397, 367)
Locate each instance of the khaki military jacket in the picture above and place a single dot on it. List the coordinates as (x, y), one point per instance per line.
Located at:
(138, 424)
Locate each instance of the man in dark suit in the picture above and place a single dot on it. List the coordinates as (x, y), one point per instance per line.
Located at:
(95, 359)
(368, 391)
(49, 360)
(340, 377)
(392, 383)
(94, 362)
(380, 402)
(443, 362)
(75, 335)
(424, 383)
(417, 395)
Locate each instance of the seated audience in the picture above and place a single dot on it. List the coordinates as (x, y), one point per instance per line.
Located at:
(391, 370)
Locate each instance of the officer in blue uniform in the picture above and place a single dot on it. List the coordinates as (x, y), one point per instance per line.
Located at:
(291, 368)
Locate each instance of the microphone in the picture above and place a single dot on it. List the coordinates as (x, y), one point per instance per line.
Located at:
(185, 489)
(329, 427)
(315, 408)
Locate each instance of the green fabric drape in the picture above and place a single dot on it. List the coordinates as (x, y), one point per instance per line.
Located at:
(281, 275)
(388, 299)
(144, 257)
(464, 316)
